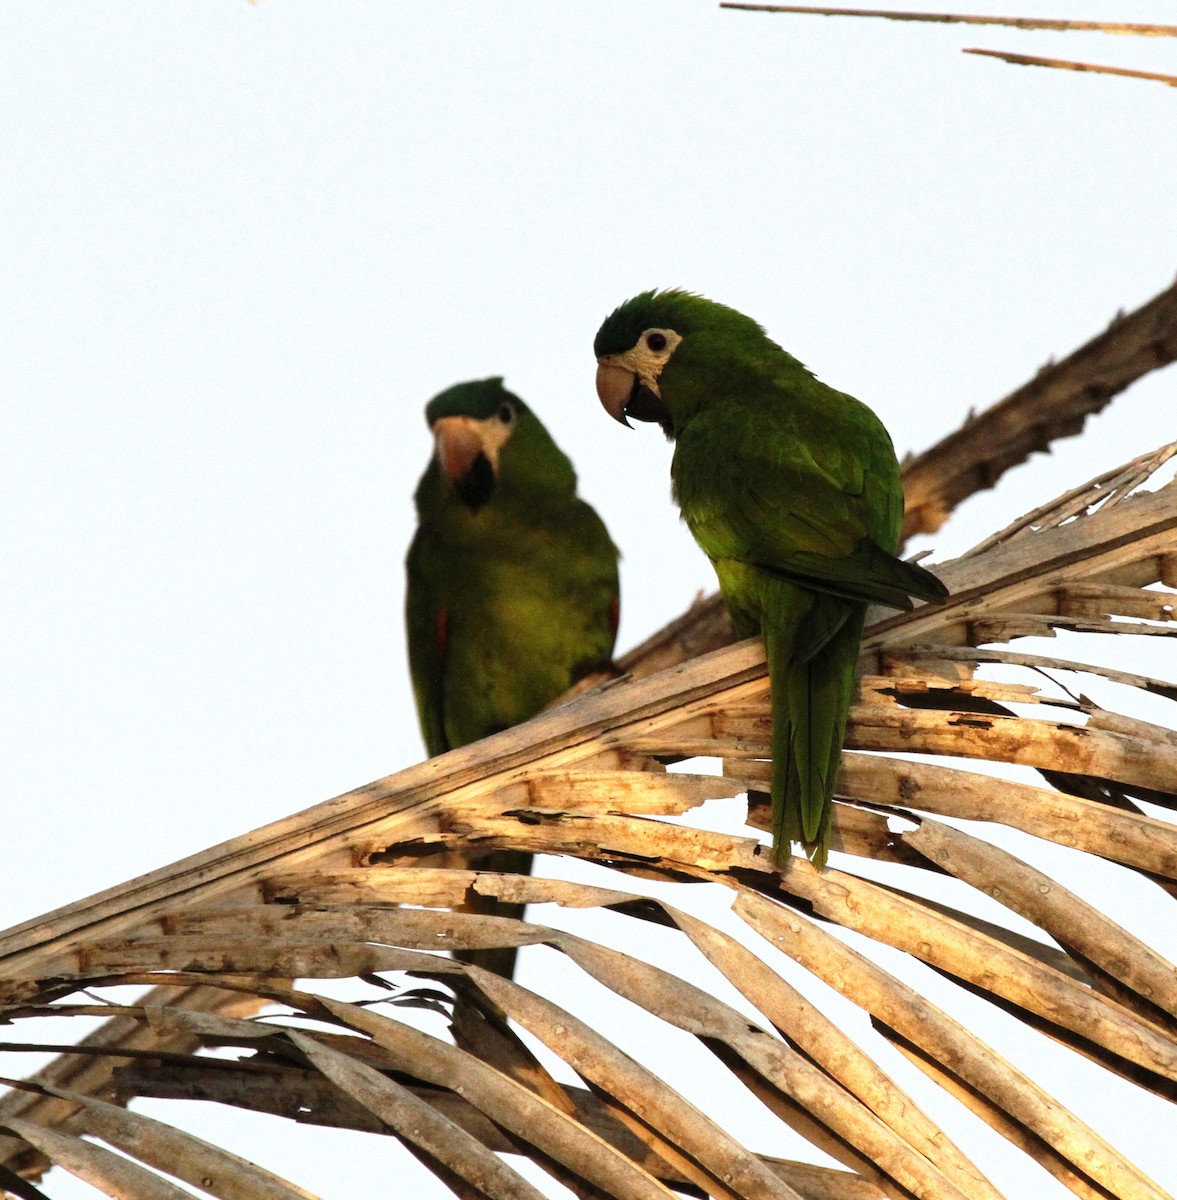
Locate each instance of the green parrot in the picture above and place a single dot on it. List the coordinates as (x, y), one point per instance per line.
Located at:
(792, 489)
(512, 592)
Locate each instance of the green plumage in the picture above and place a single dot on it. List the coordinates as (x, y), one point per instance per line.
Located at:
(511, 600)
(512, 588)
(792, 489)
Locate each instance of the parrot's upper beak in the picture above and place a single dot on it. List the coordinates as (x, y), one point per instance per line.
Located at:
(458, 444)
(615, 385)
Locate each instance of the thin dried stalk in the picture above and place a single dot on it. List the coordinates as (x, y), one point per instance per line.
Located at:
(959, 662)
(1031, 624)
(1031, 60)
(962, 19)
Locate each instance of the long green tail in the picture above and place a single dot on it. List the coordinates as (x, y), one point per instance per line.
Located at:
(812, 671)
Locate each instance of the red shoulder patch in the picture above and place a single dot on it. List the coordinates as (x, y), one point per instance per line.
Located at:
(441, 631)
(614, 613)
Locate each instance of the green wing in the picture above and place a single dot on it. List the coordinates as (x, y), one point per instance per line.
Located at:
(426, 625)
(808, 492)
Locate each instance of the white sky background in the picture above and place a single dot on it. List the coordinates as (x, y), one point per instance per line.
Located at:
(241, 247)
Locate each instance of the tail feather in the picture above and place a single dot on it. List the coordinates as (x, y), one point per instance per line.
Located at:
(499, 959)
(811, 694)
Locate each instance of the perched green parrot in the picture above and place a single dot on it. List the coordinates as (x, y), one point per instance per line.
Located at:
(512, 589)
(792, 489)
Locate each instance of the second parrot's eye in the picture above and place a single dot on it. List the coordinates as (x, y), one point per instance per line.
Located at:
(506, 414)
(656, 342)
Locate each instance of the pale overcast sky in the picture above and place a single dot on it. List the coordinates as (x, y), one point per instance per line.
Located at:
(242, 245)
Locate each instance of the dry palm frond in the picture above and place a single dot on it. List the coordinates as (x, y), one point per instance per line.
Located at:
(525, 788)
(351, 890)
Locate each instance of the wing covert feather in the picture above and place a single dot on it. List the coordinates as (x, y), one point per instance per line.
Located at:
(807, 493)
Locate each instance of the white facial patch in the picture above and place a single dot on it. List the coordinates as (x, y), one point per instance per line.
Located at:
(494, 433)
(652, 352)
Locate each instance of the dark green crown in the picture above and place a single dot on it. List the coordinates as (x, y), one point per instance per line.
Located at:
(480, 398)
(670, 309)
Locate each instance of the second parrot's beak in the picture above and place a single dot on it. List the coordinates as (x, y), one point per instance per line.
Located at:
(466, 460)
(615, 387)
(458, 445)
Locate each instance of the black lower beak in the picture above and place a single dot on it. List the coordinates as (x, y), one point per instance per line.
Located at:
(475, 487)
(645, 405)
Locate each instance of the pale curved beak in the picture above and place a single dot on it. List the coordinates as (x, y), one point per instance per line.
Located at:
(614, 387)
(458, 445)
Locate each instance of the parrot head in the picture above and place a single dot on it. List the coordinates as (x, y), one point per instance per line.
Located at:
(471, 423)
(639, 340)
(488, 445)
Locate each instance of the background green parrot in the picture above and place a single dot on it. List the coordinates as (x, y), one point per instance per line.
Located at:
(792, 489)
(512, 592)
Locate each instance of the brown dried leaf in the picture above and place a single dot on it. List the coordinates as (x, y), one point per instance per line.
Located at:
(970, 955)
(102, 1169)
(636, 1088)
(996, 1118)
(945, 1040)
(183, 1155)
(683, 1004)
(825, 1044)
(506, 1102)
(418, 1123)
(1129, 838)
(1063, 915)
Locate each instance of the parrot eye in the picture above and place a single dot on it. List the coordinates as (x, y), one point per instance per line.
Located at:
(506, 414)
(656, 341)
